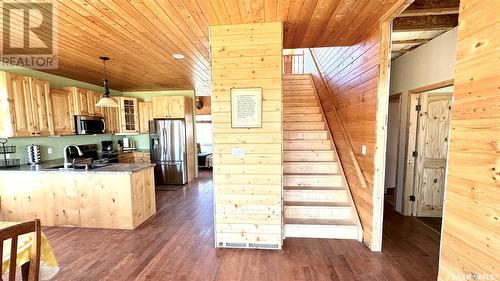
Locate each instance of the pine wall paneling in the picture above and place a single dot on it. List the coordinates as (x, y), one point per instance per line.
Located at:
(351, 73)
(471, 225)
(248, 189)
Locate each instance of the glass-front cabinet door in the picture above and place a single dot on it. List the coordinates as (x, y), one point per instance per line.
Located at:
(129, 117)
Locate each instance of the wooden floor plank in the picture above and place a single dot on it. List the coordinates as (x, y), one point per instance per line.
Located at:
(178, 244)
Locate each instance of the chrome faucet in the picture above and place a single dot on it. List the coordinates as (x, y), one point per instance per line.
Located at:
(65, 153)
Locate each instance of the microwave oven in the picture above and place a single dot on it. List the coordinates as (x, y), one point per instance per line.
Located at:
(89, 125)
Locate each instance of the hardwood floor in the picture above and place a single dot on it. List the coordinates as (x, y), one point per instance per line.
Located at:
(178, 244)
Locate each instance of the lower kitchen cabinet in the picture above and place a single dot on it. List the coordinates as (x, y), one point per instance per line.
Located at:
(126, 157)
(134, 157)
(142, 157)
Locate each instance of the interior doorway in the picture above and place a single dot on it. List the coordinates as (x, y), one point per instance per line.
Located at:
(424, 137)
(427, 135)
(431, 152)
(392, 151)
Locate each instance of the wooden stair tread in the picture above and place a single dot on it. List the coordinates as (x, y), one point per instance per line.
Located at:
(302, 114)
(320, 222)
(308, 141)
(307, 188)
(315, 204)
(308, 131)
(313, 151)
(311, 163)
(309, 175)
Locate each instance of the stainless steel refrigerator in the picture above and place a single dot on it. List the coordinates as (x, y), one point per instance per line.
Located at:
(168, 151)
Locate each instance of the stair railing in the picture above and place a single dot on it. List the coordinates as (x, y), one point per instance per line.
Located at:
(345, 136)
(293, 64)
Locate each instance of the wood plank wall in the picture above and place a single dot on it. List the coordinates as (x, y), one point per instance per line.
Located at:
(247, 190)
(351, 73)
(471, 232)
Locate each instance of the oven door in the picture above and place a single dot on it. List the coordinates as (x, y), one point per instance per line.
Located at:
(88, 125)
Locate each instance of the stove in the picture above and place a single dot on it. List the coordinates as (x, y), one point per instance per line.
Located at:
(90, 151)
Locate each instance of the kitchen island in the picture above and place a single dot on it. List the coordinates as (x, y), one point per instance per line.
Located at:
(119, 196)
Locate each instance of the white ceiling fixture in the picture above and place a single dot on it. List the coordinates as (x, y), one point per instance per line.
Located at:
(178, 56)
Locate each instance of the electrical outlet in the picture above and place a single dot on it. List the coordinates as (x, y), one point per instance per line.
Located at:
(49, 150)
(363, 149)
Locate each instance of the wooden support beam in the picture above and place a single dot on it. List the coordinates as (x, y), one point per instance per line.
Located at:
(411, 41)
(433, 4)
(429, 12)
(425, 23)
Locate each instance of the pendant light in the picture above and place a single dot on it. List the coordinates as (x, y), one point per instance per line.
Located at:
(105, 100)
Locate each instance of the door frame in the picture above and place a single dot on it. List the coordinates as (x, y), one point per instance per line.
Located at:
(382, 105)
(407, 206)
(398, 97)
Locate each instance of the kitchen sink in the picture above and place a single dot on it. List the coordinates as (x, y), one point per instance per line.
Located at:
(78, 166)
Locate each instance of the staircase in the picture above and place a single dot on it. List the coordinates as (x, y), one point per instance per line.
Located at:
(317, 201)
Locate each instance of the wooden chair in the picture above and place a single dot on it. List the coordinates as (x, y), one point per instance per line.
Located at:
(30, 271)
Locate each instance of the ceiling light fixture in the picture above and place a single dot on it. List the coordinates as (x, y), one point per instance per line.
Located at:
(178, 56)
(105, 100)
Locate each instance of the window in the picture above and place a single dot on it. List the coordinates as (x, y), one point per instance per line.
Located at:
(204, 132)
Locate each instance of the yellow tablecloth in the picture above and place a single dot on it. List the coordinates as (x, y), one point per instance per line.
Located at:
(48, 262)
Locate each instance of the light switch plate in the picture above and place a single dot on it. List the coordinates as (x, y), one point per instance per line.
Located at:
(238, 152)
(363, 149)
(49, 150)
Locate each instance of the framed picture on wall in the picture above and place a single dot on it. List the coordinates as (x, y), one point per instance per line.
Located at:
(246, 107)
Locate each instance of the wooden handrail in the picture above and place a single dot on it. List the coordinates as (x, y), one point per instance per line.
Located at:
(359, 172)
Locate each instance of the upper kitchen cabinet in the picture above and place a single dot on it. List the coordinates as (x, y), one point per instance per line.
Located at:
(128, 115)
(145, 115)
(111, 120)
(62, 112)
(25, 106)
(170, 106)
(80, 100)
(41, 107)
(94, 98)
(84, 101)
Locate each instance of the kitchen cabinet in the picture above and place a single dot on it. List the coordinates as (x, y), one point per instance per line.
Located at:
(170, 106)
(127, 157)
(62, 112)
(141, 157)
(84, 102)
(26, 106)
(111, 119)
(145, 115)
(176, 106)
(80, 100)
(134, 157)
(128, 116)
(18, 121)
(93, 98)
(41, 107)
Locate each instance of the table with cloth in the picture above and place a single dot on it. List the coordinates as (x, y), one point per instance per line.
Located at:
(48, 262)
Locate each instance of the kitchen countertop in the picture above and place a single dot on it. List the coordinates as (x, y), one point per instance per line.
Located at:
(47, 167)
(132, 150)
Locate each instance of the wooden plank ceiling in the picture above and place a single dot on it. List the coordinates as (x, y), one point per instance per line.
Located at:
(422, 21)
(140, 36)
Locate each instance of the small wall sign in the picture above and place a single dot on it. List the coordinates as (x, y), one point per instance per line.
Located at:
(246, 107)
